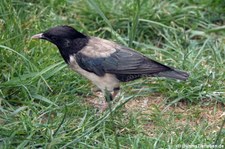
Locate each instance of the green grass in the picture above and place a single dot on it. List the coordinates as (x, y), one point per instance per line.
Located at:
(42, 102)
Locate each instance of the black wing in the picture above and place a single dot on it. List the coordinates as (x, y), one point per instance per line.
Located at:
(125, 63)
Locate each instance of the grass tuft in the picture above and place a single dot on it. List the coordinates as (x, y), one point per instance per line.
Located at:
(42, 102)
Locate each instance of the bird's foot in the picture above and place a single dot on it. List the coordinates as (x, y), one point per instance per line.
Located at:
(101, 104)
(102, 107)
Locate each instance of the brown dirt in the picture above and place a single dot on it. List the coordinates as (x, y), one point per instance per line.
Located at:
(183, 114)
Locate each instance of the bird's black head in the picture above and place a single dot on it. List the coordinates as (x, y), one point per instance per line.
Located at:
(66, 38)
(60, 34)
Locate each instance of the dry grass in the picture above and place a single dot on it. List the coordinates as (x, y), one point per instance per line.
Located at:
(183, 113)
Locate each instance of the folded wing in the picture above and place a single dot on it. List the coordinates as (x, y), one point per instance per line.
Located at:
(125, 63)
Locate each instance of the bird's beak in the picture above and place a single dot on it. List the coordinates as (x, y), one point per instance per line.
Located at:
(38, 36)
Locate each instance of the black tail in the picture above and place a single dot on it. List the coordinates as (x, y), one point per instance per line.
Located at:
(174, 74)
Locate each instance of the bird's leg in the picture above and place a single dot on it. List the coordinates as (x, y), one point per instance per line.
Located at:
(115, 92)
(106, 103)
(105, 98)
(109, 96)
(100, 102)
(97, 101)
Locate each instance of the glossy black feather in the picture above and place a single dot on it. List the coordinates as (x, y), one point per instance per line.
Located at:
(126, 64)
(91, 64)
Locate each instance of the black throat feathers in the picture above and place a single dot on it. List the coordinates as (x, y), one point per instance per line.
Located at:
(71, 47)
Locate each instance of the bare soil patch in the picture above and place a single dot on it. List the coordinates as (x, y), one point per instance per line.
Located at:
(179, 115)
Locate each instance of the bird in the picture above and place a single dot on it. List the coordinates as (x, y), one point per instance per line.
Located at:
(105, 63)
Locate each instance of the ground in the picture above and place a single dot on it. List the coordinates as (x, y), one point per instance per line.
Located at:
(43, 104)
(182, 113)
